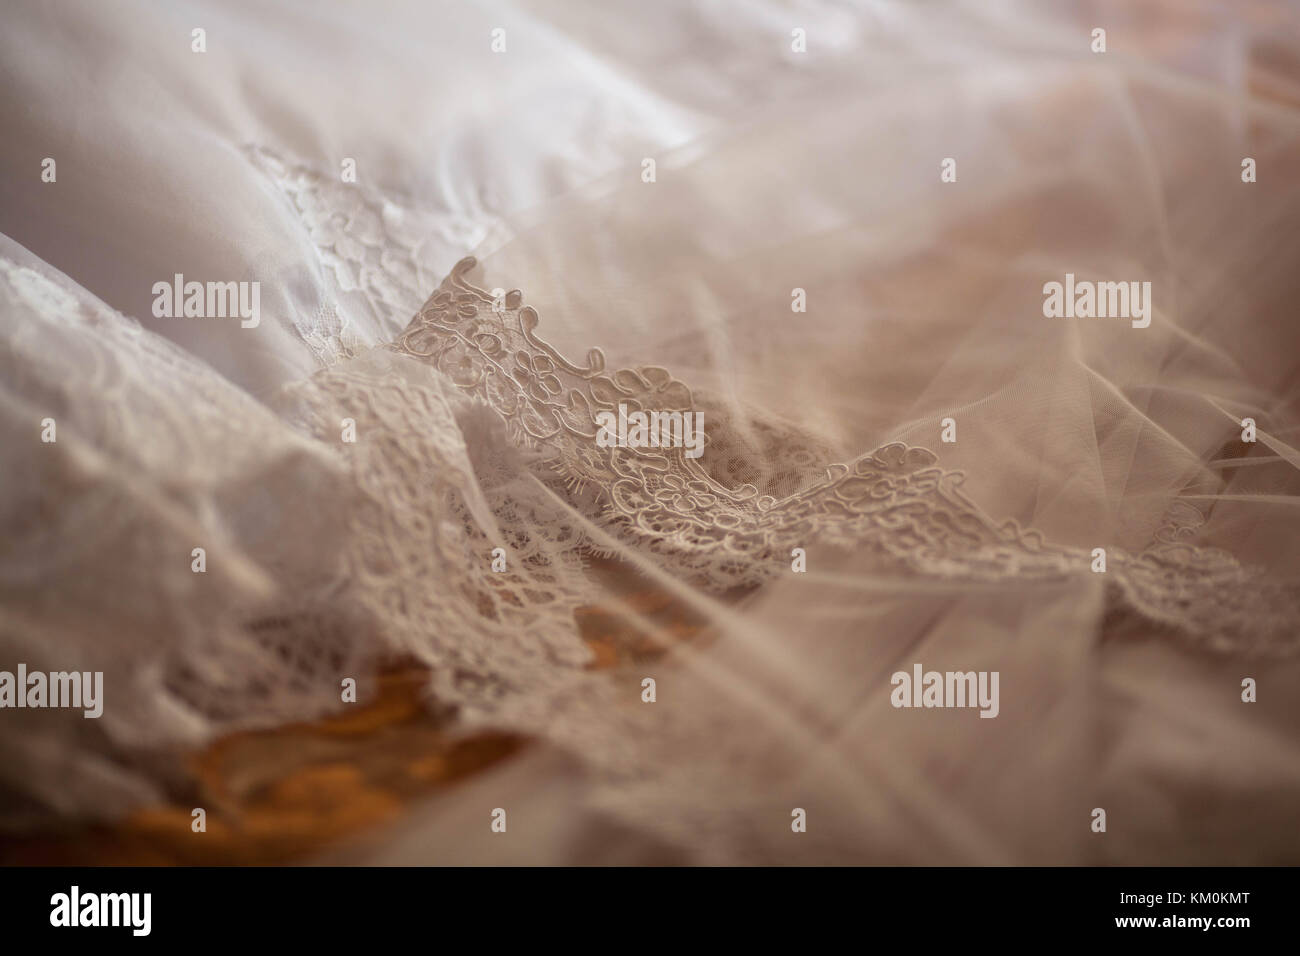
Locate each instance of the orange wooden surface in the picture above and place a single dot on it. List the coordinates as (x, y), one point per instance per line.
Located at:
(283, 795)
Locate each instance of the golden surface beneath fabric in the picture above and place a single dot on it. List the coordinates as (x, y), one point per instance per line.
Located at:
(283, 795)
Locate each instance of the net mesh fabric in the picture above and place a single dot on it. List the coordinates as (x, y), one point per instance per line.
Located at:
(474, 428)
(472, 433)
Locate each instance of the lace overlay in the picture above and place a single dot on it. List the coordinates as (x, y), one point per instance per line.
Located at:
(471, 434)
(380, 255)
(98, 565)
(895, 501)
(430, 514)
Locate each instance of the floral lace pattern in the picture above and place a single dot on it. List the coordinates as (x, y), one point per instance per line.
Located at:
(730, 518)
(472, 434)
(423, 535)
(378, 253)
(895, 501)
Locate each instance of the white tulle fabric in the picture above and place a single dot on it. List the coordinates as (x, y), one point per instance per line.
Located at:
(474, 404)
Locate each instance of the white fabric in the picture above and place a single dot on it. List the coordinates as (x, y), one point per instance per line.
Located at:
(775, 171)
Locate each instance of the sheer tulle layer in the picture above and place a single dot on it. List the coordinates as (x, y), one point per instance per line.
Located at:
(475, 430)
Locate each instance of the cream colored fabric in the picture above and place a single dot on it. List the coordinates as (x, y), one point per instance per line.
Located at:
(775, 171)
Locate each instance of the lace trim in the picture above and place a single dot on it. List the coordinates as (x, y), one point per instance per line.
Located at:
(709, 520)
(381, 255)
(894, 501)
